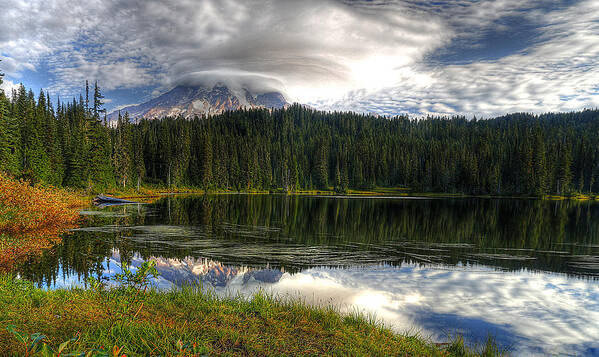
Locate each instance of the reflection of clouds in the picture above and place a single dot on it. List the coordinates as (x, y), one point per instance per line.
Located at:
(531, 310)
(535, 313)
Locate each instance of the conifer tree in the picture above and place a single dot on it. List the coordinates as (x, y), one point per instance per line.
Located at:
(87, 97)
(338, 178)
(6, 151)
(75, 138)
(98, 103)
(165, 152)
(322, 166)
(564, 173)
(35, 162)
(138, 156)
(206, 161)
(101, 173)
(540, 166)
(121, 153)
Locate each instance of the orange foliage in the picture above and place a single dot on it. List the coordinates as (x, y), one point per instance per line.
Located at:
(31, 218)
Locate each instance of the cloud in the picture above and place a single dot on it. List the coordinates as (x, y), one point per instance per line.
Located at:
(377, 56)
(314, 48)
(111, 74)
(7, 86)
(234, 80)
(33, 29)
(558, 73)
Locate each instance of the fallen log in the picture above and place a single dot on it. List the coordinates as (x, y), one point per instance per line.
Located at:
(107, 200)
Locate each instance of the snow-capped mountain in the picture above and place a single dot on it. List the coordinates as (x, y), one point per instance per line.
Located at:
(188, 101)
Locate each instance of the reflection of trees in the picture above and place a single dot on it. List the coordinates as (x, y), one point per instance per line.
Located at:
(310, 220)
(396, 230)
(83, 252)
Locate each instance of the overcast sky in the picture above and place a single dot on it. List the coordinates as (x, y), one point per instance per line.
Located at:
(481, 58)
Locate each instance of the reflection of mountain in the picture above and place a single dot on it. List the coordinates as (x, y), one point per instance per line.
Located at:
(191, 270)
(530, 312)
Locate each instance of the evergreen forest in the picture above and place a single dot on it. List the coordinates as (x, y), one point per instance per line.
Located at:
(70, 143)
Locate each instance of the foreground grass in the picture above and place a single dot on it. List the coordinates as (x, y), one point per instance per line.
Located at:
(190, 322)
(31, 218)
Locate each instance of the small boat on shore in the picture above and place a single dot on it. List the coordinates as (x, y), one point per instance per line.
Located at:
(107, 200)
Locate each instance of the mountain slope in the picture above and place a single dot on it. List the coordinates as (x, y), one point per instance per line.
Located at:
(188, 101)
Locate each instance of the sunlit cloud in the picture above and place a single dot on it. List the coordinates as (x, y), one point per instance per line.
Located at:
(557, 73)
(8, 86)
(387, 57)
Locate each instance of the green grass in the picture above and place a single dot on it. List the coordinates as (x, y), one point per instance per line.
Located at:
(191, 322)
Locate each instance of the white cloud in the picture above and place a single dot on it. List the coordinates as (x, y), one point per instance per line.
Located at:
(368, 56)
(561, 65)
(7, 86)
(110, 74)
(33, 29)
(315, 48)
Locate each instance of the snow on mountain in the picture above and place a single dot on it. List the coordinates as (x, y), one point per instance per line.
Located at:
(188, 101)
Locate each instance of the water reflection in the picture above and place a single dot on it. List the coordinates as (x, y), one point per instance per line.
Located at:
(535, 313)
(524, 271)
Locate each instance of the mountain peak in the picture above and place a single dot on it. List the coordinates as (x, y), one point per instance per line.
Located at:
(188, 101)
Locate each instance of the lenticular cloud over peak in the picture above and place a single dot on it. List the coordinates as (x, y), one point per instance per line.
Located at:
(387, 57)
(234, 80)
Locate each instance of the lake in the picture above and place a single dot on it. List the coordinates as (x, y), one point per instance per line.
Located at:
(523, 271)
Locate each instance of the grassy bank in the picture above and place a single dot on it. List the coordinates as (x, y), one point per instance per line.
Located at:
(135, 321)
(31, 218)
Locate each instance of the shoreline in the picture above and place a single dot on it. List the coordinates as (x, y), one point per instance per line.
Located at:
(83, 313)
(149, 192)
(188, 321)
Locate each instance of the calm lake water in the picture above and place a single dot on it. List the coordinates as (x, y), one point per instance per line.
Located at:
(523, 271)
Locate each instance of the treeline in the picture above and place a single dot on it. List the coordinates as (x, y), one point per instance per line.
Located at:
(66, 146)
(298, 148)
